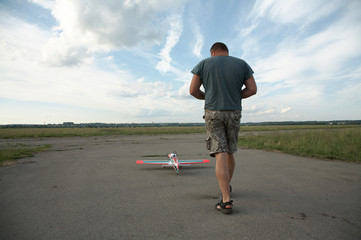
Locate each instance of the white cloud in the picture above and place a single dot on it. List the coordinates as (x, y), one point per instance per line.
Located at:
(296, 11)
(199, 42)
(24, 78)
(19, 40)
(260, 8)
(86, 27)
(284, 110)
(61, 52)
(48, 4)
(175, 31)
(304, 68)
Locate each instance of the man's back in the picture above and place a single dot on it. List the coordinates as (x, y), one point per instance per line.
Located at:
(223, 78)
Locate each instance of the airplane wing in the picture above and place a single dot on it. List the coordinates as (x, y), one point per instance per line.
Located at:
(186, 162)
(157, 162)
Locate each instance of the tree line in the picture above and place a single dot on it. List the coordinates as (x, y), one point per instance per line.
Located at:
(119, 125)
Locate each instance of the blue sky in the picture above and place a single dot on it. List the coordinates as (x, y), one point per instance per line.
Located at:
(129, 61)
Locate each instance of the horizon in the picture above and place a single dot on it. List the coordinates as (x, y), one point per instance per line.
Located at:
(181, 123)
(124, 61)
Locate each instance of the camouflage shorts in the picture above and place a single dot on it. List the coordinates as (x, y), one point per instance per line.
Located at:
(222, 130)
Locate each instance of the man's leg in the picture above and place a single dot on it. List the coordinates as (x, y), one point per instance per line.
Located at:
(222, 173)
(232, 130)
(231, 165)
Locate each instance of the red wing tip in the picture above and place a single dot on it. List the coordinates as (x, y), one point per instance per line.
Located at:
(139, 161)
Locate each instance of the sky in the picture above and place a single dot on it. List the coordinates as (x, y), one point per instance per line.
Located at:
(124, 61)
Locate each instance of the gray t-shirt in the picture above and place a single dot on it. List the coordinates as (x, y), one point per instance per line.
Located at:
(223, 78)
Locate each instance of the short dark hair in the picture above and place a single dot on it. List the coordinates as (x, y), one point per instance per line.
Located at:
(219, 46)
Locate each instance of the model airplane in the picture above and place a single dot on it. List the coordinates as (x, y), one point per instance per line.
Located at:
(172, 161)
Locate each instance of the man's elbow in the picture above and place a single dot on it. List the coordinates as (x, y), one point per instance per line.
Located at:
(193, 92)
(251, 87)
(248, 92)
(254, 90)
(197, 93)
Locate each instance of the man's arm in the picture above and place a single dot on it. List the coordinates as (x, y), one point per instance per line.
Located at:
(250, 88)
(194, 88)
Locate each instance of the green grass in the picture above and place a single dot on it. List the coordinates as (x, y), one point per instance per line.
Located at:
(341, 142)
(87, 132)
(11, 154)
(338, 143)
(294, 127)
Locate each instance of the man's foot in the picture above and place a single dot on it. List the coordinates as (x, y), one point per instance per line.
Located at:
(226, 207)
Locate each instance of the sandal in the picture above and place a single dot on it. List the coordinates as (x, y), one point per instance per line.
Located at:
(221, 206)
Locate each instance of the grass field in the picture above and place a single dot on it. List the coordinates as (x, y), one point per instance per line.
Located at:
(87, 132)
(11, 153)
(337, 143)
(341, 142)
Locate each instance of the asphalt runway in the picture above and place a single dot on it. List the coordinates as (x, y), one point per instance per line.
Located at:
(91, 188)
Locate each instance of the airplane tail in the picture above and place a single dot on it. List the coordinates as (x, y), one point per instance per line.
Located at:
(174, 159)
(177, 162)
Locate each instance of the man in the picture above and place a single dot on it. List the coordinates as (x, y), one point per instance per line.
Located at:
(222, 77)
